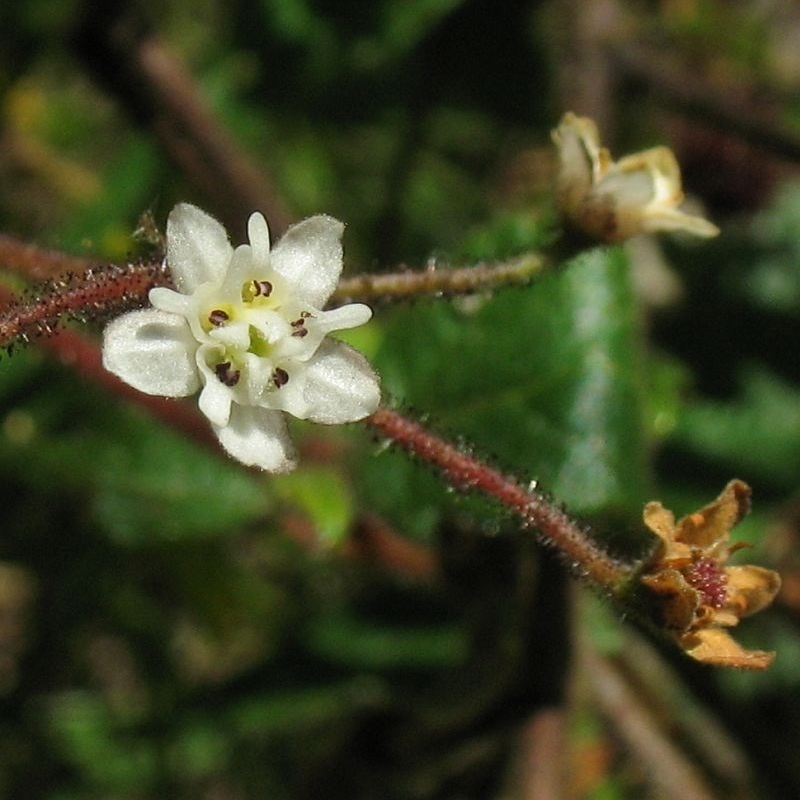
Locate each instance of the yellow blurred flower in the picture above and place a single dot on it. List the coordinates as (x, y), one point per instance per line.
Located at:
(614, 200)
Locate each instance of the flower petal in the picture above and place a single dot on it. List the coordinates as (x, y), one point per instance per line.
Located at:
(338, 319)
(258, 437)
(309, 257)
(671, 219)
(152, 351)
(198, 249)
(340, 386)
(713, 523)
(751, 588)
(171, 302)
(258, 236)
(216, 398)
(240, 269)
(660, 520)
(717, 647)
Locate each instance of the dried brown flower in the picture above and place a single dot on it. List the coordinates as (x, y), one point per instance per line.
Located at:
(614, 200)
(697, 595)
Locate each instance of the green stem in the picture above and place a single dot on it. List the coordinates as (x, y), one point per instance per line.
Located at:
(436, 282)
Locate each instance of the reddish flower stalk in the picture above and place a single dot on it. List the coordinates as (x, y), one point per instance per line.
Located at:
(93, 295)
(555, 528)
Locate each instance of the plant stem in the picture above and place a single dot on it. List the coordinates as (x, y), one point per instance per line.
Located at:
(405, 284)
(554, 527)
(93, 295)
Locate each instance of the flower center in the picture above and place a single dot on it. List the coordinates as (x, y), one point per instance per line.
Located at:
(707, 577)
(258, 323)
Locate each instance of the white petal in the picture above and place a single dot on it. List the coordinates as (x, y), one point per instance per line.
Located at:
(339, 319)
(172, 302)
(152, 351)
(258, 235)
(630, 188)
(259, 438)
(341, 386)
(309, 257)
(216, 398)
(198, 249)
(240, 270)
(671, 219)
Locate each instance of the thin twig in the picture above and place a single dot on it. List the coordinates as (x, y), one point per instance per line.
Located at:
(758, 122)
(404, 284)
(82, 354)
(667, 768)
(555, 528)
(38, 263)
(156, 89)
(542, 741)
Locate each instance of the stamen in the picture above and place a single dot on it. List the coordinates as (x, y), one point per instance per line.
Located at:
(228, 376)
(262, 288)
(300, 332)
(280, 377)
(707, 577)
(218, 316)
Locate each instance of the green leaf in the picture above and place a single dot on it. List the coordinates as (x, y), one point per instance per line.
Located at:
(548, 381)
(758, 433)
(85, 733)
(345, 640)
(324, 496)
(296, 709)
(154, 485)
(143, 482)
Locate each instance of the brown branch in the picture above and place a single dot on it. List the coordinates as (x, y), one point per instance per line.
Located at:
(156, 88)
(82, 354)
(756, 121)
(374, 540)
(38, 263)
(542, 750)
(406, 283)
(672, 773)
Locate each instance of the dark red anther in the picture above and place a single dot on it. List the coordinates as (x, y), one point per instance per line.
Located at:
(228, 376)
(218, 316)
(280, 377)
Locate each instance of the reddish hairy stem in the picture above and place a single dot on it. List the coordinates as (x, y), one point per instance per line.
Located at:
(93, 295)
(83, 355)
(556, 529)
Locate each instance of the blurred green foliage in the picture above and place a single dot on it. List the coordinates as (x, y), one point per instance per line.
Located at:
(197, 631)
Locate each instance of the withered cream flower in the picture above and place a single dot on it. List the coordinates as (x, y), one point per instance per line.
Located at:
(614, 200)
(697, 596)
(246, 328)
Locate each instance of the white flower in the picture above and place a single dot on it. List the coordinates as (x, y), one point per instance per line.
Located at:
(614, 200)
(247, 329)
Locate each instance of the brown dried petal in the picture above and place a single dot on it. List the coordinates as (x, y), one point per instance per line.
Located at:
(678, 601)
(661, 521)
(717, 647)
(751, 588)
(714, 522)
